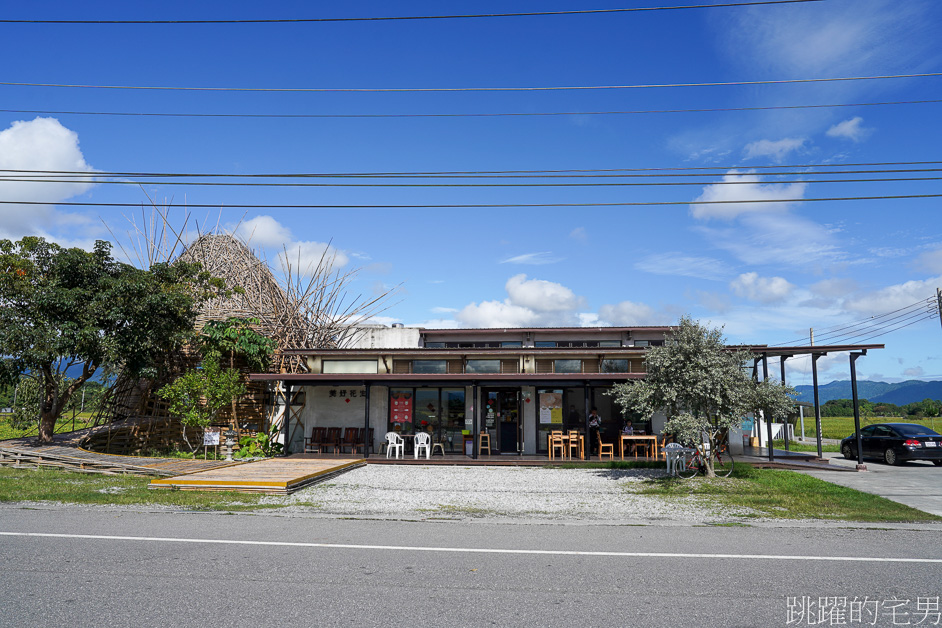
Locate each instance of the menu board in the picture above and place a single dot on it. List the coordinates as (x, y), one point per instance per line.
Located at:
(400, 407)
(551, 408)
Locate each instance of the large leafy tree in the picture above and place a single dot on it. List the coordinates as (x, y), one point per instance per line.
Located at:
(67, 309)
(700, 384)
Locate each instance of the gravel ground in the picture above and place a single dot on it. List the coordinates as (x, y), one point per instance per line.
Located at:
(414, 492)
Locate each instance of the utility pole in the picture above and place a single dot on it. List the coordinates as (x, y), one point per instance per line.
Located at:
(811, 332)
(938, 298)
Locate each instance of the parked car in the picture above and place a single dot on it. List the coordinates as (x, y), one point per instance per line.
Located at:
(895, 443)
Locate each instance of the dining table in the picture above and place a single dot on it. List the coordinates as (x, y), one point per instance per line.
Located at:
(640, 438)
(566, 450)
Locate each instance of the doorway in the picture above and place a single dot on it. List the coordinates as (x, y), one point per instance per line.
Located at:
(502, 419)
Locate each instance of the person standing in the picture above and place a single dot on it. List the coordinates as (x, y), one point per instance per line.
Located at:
(595, 421)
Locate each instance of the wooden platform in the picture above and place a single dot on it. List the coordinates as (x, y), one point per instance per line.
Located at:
(274, 476)
(23, 453)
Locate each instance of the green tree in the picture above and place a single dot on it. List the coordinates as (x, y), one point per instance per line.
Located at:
(66, 309)
(700, 384)
(197, 396)
(235, 337)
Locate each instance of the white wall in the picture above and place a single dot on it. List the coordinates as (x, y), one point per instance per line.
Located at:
(386, 338)
(322, 410)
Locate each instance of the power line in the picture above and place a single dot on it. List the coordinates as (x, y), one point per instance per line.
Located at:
(863, 326)
(690, 171)
(866, 329)
(551, 88)
(415, 17)
(457, 115)
(483, 205)
(93, 179)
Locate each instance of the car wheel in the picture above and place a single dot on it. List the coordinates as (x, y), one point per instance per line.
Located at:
(847, 452)
(889, 456)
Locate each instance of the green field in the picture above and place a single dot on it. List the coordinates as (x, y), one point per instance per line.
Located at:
(64, 424)
(839, 427)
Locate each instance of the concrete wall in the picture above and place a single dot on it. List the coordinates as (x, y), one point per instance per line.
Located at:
(386, 338)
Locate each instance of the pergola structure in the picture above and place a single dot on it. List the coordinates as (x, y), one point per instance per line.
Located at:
(763, 354)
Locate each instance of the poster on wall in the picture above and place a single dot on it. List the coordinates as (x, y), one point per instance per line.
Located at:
(551, 408)
(400, 407)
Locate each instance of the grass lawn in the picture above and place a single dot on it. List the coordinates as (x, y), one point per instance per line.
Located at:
(788, 495)
(62, 425)
(87, 488)
(841, 426)
(810, 448)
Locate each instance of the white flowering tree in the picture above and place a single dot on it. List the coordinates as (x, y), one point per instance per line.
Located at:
(700, 384)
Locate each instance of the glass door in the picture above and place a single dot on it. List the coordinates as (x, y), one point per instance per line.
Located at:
(502, 419)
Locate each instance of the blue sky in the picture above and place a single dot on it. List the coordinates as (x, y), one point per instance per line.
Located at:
(767, 272)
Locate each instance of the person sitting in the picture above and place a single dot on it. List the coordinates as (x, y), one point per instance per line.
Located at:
(628, 430)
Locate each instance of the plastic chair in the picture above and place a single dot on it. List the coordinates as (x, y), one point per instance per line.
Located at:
(422, 441)
(394, 444)
(438, 443)
(605, 449)
(673, 452)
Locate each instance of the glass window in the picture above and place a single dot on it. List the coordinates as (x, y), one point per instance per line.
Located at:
(349, 366)
(614, 366)
(642, 343)
(434, 345)
(609, 343)
(401, 404)
(567, 366)
(483, 366)
(544, 344)
(430, 366)
(513, 343)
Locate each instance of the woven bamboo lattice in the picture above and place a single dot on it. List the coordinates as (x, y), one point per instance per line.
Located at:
(309, 308)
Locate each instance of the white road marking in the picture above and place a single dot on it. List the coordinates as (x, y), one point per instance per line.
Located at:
(476, 550)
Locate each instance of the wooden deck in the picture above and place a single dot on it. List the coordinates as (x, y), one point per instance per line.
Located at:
(23, 453)
(274, 476)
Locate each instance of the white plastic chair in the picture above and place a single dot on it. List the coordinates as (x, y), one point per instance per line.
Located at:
(423, 440)
(672, 453)
(394, 443)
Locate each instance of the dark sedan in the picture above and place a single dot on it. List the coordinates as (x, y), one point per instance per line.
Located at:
(895, 443)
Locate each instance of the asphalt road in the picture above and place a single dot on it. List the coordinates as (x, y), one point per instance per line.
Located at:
(128, 568)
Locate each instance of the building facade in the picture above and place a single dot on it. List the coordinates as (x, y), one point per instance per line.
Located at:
(514, 384)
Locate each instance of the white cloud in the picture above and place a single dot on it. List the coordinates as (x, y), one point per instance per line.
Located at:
(303, 256)
(579, 234)
(832, 39)
(533, 259)
(264, 231)
(673, 263)
(762, 289)
(730, 197)
(931, 261)
(43, 144)
(849, 130)
(529, 302)
(916, 371)
(832, 288)
(629, 313)
(777, 150)
(444, 310)
(893, 297)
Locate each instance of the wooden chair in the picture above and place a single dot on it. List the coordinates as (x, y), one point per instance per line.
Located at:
(484, 442)
(556, 441)
(438, 442)
(332, 440)
(313, 444)
(605, 449)
(573, 443)
(352, 439)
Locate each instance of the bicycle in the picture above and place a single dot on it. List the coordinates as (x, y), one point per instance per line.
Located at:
(722, 462)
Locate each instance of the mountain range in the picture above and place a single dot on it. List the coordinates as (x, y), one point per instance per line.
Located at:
(900, 393)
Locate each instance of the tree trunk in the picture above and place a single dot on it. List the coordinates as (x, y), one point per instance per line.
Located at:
(235, 419)
(47, 426)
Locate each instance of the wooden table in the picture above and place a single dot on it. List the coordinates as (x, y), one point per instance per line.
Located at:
(639, 437)
(549, 446)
